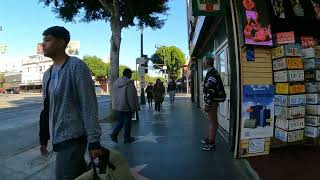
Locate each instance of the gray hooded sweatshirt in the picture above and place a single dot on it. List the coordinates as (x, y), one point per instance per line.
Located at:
(124, 96)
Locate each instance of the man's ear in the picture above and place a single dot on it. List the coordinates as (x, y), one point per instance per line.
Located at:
(63, 43)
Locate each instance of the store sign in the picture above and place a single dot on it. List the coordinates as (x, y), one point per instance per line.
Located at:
(285, 37)
(257, 111)
(205, 7)
(39, 48)
(307, 42)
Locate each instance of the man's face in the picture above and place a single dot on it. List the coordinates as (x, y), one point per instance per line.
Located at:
(208, 64)
(52, 45)
(129, 75)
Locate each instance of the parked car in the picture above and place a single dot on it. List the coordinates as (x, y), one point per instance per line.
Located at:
(13, 90)
(2, 90)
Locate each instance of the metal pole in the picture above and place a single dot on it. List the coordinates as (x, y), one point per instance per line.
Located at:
(142, 97)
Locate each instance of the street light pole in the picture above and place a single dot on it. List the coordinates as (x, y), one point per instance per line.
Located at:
(142, 97)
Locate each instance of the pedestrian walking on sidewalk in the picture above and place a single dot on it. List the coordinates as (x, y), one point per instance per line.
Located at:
(70, 114)
(172, 91)
(158, 94)
(125, 103)
(213, 94)
(149, 94)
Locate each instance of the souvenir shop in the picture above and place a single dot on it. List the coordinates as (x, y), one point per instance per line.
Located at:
(271, 68)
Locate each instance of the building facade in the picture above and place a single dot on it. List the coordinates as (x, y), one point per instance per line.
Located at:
(33, 68)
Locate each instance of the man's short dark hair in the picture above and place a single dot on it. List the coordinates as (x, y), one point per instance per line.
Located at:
(58, 32)
(210, 60)
(127, 72)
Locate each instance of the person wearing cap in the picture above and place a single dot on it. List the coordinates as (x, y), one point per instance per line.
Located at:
(70, 115)
(125, 103)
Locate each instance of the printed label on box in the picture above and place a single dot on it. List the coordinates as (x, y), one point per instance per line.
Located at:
(312, 120)
(313, 98)
(311, 131)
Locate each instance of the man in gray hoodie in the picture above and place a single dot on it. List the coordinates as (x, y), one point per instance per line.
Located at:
(125, 102)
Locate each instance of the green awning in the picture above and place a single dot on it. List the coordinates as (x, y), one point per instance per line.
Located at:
(208, 7)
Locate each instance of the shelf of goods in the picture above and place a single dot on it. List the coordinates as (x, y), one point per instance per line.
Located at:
(290, 98)
(311, 60)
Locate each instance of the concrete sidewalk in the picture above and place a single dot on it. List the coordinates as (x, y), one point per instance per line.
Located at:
(168, 148)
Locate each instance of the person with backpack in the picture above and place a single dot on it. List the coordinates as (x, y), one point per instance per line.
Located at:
(213, 94)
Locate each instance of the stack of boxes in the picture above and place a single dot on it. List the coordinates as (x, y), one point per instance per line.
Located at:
(312, 77)
(290, 98)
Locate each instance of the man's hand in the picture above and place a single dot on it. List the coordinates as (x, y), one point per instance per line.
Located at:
(44, 150)
(98, 152)
(207, 108)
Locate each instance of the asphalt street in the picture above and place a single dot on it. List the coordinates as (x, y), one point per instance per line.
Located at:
(19, 117)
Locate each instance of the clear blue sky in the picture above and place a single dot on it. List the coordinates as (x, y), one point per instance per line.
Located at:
(24, 21)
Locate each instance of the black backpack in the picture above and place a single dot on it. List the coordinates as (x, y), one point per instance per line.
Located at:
(220, 93)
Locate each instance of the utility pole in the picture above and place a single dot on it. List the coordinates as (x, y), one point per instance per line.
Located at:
(142, 97)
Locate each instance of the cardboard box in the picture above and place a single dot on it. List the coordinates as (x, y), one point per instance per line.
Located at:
(290, 100)
(312, 75)
(311, 131)
(311, 52)
(290, 124)
(287, 63)
(312, 120)
(313, 63)
(290, 88)
(288, 136)
(288, 76)
(313, 98)
(312, 87)
(313, 110)
(286, 50)
(289, 113)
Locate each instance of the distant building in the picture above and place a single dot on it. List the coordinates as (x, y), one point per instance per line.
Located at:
(10, 64)
(12, 80)
(11, 67)
(33, 68)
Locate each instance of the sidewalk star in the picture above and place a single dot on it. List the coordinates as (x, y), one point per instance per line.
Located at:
(148, 138)
(135, 170)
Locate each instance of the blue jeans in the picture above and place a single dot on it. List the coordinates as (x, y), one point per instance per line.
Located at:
(123, 118)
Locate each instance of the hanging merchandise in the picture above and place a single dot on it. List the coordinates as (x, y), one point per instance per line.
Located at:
(250, 53)
(256, 23)
(307, 42)
(278, 9)
(312, 75)
(285, 37)
(316, 8)
(297, 8)
(288, 77)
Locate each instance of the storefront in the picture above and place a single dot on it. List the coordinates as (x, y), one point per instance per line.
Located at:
(267, 55)
(212, 36)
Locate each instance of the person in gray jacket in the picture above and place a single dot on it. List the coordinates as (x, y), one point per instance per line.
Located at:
(70, 115)
(125, 102)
